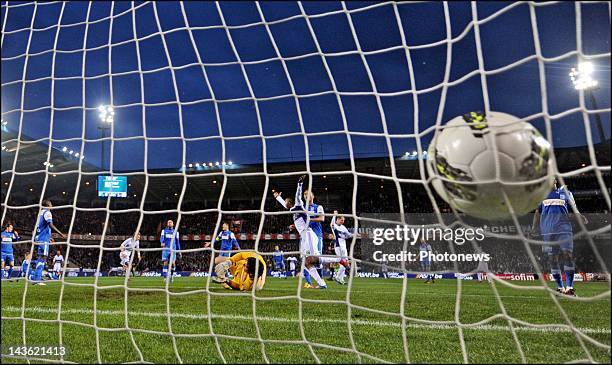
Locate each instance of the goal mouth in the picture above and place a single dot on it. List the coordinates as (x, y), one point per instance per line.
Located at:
(412, 149)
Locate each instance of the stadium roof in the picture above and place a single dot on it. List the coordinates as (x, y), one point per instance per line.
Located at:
(244, 182)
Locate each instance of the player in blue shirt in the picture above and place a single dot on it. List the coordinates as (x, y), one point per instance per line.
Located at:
(279, 261)
(228, 241)
(8, 237)
(42, 239)
(25, 266)
(554, 222)
(170, 241)
(317, 217)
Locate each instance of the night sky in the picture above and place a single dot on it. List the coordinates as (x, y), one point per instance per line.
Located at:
(142, 89)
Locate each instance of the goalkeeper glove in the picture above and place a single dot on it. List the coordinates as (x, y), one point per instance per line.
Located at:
(221, 271)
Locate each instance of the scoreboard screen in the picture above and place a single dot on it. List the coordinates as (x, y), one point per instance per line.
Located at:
(114, 186)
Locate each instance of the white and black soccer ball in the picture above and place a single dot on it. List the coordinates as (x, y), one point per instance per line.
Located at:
(476, 158)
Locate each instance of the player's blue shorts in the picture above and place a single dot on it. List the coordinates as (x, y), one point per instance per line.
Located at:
(166, 256)
(42, 248)
(559, 242)
(279, 265)
(425, 263)
(8, 258)
(226, 250)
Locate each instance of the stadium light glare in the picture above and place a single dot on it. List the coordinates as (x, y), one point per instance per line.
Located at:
(45, 163)
(76, 154)
(64, 149)
(210, 164)
(4, 123)
(107, 113)
(217, 163)
(3, 147)
(582, 76)
(230, 163)
(71, 152)
(51, 165)
(82, 157)
(190, 165)
(197, 164)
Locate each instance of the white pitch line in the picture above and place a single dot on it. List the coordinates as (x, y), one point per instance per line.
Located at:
(559, 328)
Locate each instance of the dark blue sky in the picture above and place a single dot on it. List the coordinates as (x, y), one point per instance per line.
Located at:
(505, 39)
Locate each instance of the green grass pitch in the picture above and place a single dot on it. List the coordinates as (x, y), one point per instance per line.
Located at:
(203, 323)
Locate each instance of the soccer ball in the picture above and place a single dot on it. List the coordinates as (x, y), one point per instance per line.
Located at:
(476, 159)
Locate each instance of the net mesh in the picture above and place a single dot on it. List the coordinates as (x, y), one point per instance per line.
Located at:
(64, 23)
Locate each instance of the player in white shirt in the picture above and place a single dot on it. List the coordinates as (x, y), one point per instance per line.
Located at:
(482, 271)
(292, 265)
(309, 242)
(127, 247)
(425, 253)
(58, 263)
(341, 234)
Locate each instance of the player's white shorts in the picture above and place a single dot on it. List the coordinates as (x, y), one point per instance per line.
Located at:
(125, 258)
(309, 243)
(57, 267)
(341, 251)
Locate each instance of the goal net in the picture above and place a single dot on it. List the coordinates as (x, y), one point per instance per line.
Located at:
(185, 119)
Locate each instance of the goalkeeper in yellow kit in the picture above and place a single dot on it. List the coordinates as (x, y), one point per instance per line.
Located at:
(240, 271)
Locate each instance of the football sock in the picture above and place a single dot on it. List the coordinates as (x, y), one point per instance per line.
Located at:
(569, 274)
(556, 273)
(307, 277)
(40, 265)
(341, 271)
(315, 274)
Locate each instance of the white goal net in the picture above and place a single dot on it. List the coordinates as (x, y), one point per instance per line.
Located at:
(197, 112)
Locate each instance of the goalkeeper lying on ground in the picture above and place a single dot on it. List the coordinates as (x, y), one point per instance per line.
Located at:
(239, 271)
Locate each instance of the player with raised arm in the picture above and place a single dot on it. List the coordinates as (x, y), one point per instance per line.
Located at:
(283, 202)
(241, 271)
(42, 239)
(171, 243)
(308, 239)
(227, 239)
(9, 236)
(58, 262)
(127, 247)
(278, 258)
(553, 219)
(341, 234)
(425, 259)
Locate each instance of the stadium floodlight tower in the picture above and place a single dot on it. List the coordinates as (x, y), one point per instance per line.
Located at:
(582, 78)
(107, 116)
